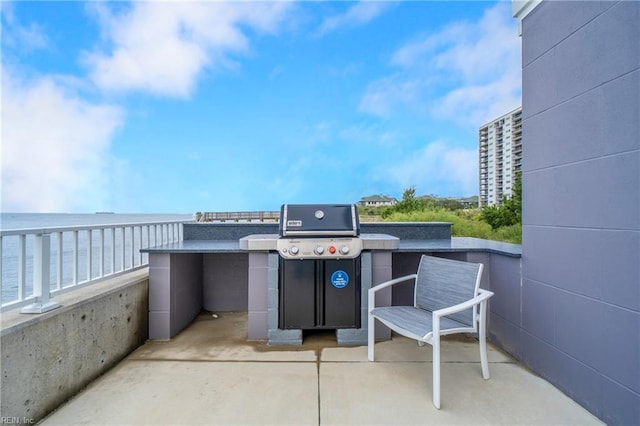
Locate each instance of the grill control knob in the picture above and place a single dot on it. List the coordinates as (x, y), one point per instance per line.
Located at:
(344, 249)
(294, 250)
(319, 249)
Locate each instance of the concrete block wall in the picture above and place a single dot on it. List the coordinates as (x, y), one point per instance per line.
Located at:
(381, 271)
(409, 230)
(263, 269)
(581, 202)
(175, 292)
(237, 230)
(224, 282)
(226, 231)
(48, 358)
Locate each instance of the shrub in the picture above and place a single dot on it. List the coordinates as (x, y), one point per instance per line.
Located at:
(500, 223)
(465, 223)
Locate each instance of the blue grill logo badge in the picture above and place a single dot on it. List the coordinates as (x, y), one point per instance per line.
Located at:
(339, 279)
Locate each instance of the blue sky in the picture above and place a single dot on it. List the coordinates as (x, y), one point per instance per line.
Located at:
(161, 107)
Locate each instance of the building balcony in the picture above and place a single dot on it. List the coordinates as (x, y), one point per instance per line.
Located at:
(90, 361)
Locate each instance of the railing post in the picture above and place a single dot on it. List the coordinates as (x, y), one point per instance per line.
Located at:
(122, 252)
(139, 245)
(59, 260)
(133, 243)
(41, 276)
(113, 250)
(101, 251)
(75, 258)
(22, 262)
(89, 252)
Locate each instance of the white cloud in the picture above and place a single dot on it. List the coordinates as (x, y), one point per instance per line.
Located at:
(383, 95)
(56, 153)
(358, 14)
(437, 168)
(25, 37)
(478, 104)
(162, 48)
(368, 133)
(478, 64)
(286, 185)
(276, 72)
(55, 147)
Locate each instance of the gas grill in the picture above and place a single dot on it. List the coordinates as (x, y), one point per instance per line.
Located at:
(319, 266)
(319, 231)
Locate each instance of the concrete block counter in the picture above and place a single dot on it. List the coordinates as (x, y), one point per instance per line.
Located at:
(234, 267)
(263, 280)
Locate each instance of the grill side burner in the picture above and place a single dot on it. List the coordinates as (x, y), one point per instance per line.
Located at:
(319, 268)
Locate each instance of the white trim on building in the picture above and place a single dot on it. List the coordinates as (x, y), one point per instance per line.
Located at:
(521, 8)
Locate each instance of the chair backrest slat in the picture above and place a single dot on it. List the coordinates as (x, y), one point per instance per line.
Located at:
(444, 282)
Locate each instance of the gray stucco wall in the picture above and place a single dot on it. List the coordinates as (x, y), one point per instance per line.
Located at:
(581, 205)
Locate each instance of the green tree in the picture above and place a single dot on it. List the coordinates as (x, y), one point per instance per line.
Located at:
(509, 212)
(409, 193)
(408, 204)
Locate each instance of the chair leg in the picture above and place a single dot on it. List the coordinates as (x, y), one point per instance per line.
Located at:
(436, 372)
(483, 359)
(371, 339)
(482, 339)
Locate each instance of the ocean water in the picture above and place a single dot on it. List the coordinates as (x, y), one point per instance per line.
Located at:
(10, 246)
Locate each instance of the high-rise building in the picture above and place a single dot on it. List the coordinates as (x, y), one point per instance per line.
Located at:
(500, 155)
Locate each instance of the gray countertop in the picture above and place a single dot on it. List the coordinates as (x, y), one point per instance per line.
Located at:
(197, 246)
(461, 244)
(445, 245)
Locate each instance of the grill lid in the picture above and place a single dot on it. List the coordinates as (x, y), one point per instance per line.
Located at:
(319, 219)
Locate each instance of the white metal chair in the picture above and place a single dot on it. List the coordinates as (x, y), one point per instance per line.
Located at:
(447, 300)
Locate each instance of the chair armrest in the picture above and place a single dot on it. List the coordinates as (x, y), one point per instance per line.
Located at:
(481, 297)
(372, 291)
(392, 282)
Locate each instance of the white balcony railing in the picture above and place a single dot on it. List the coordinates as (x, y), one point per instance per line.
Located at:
(40, 263)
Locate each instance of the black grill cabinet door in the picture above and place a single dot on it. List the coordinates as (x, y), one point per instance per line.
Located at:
(297, 280)
(341, 301)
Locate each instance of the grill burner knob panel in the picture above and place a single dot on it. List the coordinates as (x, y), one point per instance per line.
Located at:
(319, 248)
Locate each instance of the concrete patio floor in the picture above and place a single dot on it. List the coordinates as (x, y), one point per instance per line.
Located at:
(209, 374)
